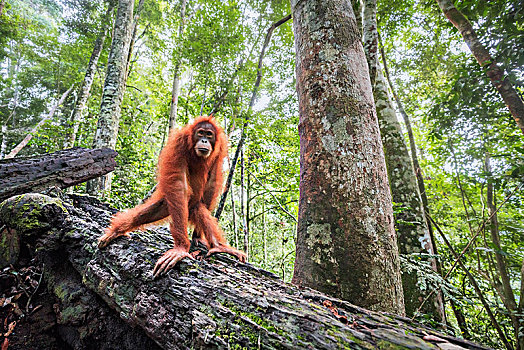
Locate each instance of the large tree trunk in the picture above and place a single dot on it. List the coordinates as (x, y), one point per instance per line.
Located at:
(494, 72)
(346, 243)
(61, 169)
(85, 89)
(211, 304)
(410, 222)
(114, 87)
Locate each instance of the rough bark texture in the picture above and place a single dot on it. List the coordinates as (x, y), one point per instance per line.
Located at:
(346, 244)
(217, 303)
(494, 72)
(114, 86)
(85, 89)
(410, 222)
(61, 169)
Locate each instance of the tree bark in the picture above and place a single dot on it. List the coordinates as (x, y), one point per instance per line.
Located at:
(494, 72)
(29, 136)
(3, 144)
(357, 10)
(410, 222)
(134, 30)
(114, 87)
(85, 89)
(245, 230)
(370, 37)
(61, 169)
(216, 303)
(418, 174)
(176, 79)
(345, 211)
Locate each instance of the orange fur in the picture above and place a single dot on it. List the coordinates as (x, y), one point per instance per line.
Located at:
(188, 188)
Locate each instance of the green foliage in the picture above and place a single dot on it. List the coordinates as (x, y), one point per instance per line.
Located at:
(457, 115)
(460, 118)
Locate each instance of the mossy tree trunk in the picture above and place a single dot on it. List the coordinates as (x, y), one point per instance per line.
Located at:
(114, 87)
(85, 89)
(216, 304)
(413, 236)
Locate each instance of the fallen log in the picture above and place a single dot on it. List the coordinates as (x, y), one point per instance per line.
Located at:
(216, 303)
(61, 169)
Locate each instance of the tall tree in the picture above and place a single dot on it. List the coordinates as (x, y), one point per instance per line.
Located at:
(85, 89)
(414, 237)
(494, 72)
(346, 243)
(114, 87)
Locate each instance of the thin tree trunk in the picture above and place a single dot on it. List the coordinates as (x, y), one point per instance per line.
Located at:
(2, 6)
(508, 298)
(114, 87)
(475, 285)
(242, 209)
(264, 233)
(3, 145)
(461, 320)
(176, 79)
(357, 10)
(233, 212)
(247, 234)
(345, 210)
(12, 73)
(370, 37)
(205, 94)
(29, 136)
(85, 89)
(416, 164)
(412, 144)
(494, 72)
(134, 30)
(251, 103)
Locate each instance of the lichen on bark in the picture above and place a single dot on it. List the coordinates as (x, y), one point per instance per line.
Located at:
(344, 190)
